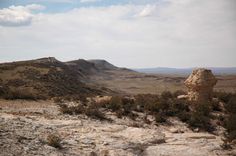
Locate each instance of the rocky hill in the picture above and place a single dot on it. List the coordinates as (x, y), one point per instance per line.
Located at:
(48, 77)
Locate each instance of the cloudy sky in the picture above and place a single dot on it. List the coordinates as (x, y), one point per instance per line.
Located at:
(128, 33)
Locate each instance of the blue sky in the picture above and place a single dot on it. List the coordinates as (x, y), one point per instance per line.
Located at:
(65, 5)
(128, 33)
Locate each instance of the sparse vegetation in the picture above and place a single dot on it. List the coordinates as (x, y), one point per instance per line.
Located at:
(160, 106)
(54, 141)
(79, 109)
(90, 110)
(200, 117)
(26, 94)
(230, 123)
(46, 78)
(94, 112)
(223, 96)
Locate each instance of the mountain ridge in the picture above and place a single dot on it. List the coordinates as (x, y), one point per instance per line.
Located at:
(185, 71)
(49, 77)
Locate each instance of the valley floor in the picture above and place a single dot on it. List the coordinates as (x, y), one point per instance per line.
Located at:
(25, 125)
(128, 82)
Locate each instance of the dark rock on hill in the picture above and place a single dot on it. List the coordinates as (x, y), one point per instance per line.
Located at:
(83, 66)
(103, 65)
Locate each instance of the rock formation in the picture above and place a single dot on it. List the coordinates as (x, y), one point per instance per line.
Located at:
(200, 85)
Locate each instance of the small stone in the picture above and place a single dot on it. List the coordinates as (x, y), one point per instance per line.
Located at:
(182, 97)
(71, 142)
(176, 130)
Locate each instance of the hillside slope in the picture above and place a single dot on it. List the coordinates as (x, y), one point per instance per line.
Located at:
(47, 77)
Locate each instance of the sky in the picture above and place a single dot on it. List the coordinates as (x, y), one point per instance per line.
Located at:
(127, 33)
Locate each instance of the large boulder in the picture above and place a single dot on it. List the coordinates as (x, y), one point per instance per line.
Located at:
(200, 85)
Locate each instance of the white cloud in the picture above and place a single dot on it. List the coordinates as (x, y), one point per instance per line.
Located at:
(18, 15)
(177, 33)
(147, 11)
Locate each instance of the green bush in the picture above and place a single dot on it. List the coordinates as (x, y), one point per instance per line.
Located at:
(160, 117)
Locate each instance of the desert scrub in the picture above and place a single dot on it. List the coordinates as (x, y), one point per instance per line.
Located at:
(160, 117)
(146, 102)
(54, 141)
(115, 103)
(230, 122)
(200, 117)
(20, 94)
(71, 110)
(223, 96)
(91, 110)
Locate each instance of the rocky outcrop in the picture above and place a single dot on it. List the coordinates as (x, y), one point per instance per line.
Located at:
(26, 125)
(200, 85)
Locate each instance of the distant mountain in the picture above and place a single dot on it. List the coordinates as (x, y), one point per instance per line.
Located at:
(185, 71)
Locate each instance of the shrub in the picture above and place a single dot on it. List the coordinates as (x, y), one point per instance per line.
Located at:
(160, 117)
(146, 102)
(91, 111)
(57, 100)
(3, 90)
(230, 123)
(184, 116)
(215, 106)
(54, 141)
(79, 109)
(177, 107)
(200, 118)
(166, 95)
(223, 96)
(17, 94)
(94, 112)
(231, 105)
(123, 106)
(16, 82)
(115, 103)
